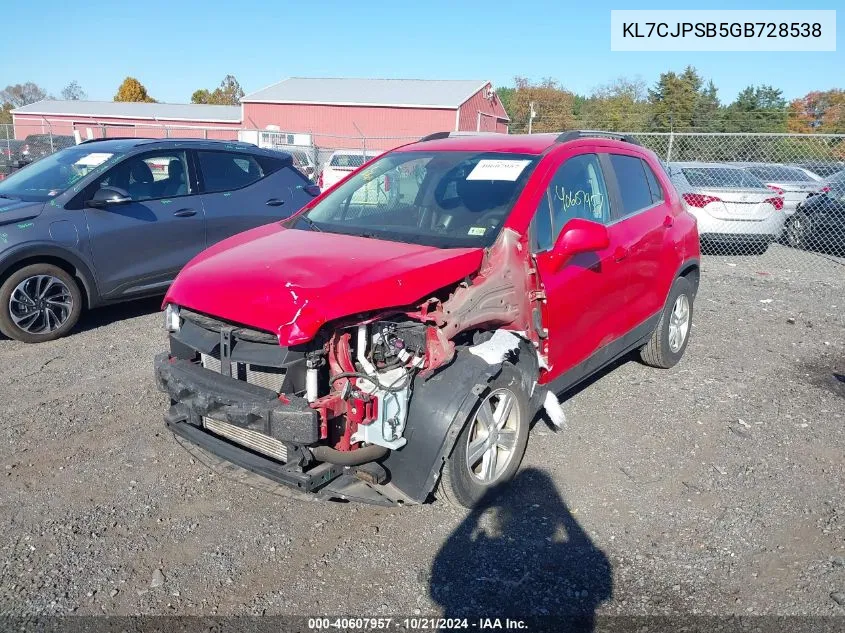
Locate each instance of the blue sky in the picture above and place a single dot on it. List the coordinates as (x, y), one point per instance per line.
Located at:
(177, 46)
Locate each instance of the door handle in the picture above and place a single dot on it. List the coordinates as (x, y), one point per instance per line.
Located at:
(668, 221)
(620, 253)
(274, 202)
(184, 213)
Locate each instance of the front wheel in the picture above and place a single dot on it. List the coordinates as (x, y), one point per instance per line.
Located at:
(669, 339)
(39, 303)
(491, 445)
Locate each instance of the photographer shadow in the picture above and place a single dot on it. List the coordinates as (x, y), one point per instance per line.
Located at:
(520, 554)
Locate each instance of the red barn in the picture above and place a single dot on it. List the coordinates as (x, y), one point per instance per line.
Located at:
(336, 113)
(115, 118)
(339, 112)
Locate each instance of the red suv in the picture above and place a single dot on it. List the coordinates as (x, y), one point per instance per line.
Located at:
(401, 333)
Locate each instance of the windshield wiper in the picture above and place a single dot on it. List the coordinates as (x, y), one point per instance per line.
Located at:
(3, 195)
(311, 224)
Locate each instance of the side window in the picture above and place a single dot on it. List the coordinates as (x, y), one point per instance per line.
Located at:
(633, 185)
(149, 176)
(653, 184)
(577, 190)
(225, 171)
(541, 230)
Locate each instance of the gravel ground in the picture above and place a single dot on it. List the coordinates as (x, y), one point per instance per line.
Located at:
(715, 487)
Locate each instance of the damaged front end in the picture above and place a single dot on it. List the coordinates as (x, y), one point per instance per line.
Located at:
(367, 408)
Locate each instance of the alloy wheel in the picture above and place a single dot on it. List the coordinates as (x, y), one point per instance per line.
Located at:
(679, 323)
(493, 436)
(40, 304)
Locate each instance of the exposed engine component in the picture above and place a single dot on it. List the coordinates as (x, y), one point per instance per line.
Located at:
(388, 353)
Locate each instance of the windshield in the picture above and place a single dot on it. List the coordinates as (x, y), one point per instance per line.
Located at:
(781, 173)
(53, 174)
(443, 199)
(721, 177)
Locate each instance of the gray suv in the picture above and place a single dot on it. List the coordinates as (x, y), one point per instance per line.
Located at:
(113, 220)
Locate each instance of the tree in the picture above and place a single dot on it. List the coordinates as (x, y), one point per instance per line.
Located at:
(133, 90)
(505, 97)
(818, 112)
(621, 106)
(229, 92)
(552, 104)
(756, 109)
(22, 94)
(201, 96)
(73, 92)
(683, 103)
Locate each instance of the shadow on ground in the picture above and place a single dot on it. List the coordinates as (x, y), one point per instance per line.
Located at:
(92, 319)
(522, 554)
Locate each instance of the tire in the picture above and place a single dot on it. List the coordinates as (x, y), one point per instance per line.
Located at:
(58, 304)
(799, 230)
(660, 351)
(459, 484)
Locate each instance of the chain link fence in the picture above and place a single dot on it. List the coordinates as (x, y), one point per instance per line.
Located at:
(776, 197)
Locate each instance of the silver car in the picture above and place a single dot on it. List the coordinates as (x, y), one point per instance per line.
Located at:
(793, 183)
(732, 206)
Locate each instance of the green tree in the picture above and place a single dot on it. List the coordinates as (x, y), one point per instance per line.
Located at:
(756, 109)
(620, 106)
(133, 90)
(505, 98)
(681, 102)
(73, 92)
(201, 96)
(229, 92)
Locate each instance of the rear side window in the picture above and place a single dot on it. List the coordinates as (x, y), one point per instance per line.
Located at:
(224, 171)
(653, 184)
(634, 190)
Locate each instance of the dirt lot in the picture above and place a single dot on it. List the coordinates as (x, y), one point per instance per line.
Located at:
(715, 487)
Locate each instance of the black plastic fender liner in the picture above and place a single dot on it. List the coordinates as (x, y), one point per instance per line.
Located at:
(437, 411)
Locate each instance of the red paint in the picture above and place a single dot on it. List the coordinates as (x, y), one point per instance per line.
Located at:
(291, 282)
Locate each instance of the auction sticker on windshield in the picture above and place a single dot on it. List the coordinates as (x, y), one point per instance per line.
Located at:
(94, 159)
(493, 169)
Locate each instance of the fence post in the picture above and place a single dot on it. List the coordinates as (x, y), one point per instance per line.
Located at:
(669, 149)
(8, 141)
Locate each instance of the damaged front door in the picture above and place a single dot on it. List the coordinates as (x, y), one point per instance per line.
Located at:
(584, 287)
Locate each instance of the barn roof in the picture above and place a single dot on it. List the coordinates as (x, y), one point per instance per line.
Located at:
(401, 93)
(132, 110)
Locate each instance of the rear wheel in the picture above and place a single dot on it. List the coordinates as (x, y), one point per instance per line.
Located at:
(669, 339)
(798, 230)
(491, 445)
(39, 303)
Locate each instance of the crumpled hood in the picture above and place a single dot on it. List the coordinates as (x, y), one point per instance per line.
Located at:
(292, 281)
(18, 210)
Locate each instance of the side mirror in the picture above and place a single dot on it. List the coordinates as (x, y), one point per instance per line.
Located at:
(107, 196)
(578, 236)
(311, 190)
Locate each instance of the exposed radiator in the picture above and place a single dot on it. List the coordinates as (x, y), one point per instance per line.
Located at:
(258, 442)
(267, 377)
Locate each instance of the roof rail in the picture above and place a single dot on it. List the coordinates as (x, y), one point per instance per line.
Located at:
(572, 135)
(434, 136)
(115, 138)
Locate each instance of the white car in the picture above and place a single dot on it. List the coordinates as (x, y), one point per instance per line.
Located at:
(732, 206)
(341, 163)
